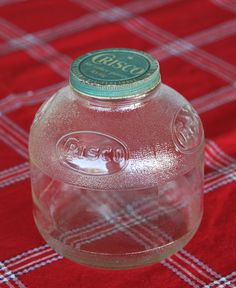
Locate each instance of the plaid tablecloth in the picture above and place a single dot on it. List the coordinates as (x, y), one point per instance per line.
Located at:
(196, 46)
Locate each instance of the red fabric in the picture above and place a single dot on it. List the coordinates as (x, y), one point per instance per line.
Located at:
(194, 42)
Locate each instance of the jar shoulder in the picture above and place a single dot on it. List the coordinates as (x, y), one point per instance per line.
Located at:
(161, 136)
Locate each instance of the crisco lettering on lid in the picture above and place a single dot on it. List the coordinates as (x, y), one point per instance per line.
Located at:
(114, 73)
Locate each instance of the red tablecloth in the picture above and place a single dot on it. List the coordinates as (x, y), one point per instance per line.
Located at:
(194, 42)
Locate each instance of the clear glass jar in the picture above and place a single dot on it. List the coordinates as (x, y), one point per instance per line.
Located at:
(117, 163)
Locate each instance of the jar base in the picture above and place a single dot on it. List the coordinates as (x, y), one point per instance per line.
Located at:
(118, 261)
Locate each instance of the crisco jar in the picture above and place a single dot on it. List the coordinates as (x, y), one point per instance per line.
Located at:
(117, 163)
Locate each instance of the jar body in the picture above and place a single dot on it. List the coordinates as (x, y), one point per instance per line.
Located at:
(117, 184)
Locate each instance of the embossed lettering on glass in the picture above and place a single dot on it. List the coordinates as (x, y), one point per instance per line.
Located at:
(92, 153)
(187, 130)
(117, 163)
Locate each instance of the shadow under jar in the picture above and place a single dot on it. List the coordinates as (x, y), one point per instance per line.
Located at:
(117, 163)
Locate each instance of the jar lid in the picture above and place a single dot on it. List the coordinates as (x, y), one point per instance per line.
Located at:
(114, 73)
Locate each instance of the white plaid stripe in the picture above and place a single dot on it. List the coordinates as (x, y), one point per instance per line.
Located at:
(136, 7)
(14, 174)
(152, 227)
(38, 265)
(4, 279)
(214, 99)
(229, 177)
(183, 254)
(224, 170)
(108, 12)
(109, 231)
(188, 274)
(27, 265)
(12, 143)
(226, 4)
(35, 255)
(62, 30)
(227, 157)
(33, 262)
(180, 274)
(9, 2)
(15, 130)
(185, 45)
(12, 124)
(215, 150)
(15, 101)
(223, 281)
(218, 160)
(116, 224)
(77, 25)
(141, 220)
(223, 182)
(13, 138)
(36, 250)
(221, 170)
(24, 255)
(224, 165)
(139, 229)
(36, 48)
(9, 278)
(6, 133)
(158, 36)
(28, 261)
(200, 38)
(130, 235)
(91, 227)
(6, 275)
(37, 261)
(14, 179)
(12, 170)
(199, 266)
(192, 54)
(9, 103)
(202, 104)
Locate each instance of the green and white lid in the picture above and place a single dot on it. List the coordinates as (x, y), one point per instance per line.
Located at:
(114, 73)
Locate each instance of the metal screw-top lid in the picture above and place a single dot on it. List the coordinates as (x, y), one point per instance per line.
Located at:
(114, 73)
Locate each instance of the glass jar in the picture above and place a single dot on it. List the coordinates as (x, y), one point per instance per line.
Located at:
(117, 163)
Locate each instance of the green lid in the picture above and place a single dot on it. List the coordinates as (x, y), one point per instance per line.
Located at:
(114, 73)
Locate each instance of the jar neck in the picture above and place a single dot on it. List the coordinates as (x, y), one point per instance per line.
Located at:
(128, 103)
